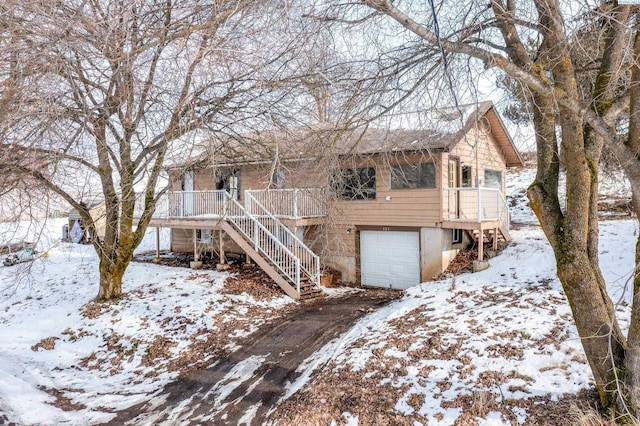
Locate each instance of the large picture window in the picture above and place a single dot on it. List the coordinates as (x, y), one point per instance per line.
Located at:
(356, 184)
(406, 176)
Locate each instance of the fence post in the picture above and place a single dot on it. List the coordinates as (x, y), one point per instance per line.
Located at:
(295, 203)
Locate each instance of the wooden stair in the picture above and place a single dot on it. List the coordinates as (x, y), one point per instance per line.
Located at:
(504, 230)
(488, 234)
(308, 289)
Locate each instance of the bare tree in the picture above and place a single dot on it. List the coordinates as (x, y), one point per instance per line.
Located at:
(577, 107)
(98, 96)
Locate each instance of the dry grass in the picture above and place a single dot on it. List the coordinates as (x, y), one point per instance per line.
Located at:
(587, 416)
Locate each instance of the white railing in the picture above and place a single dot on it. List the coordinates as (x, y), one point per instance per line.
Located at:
(282, 203)
(309, 261)
(291, 257)
(475, 205)
(161, 209)
(291, 203)
(187, 204)
(277, 243)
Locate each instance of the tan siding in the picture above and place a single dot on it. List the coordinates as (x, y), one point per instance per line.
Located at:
(481, 152)
(175, 183)
(182, 240)
(204, 180)
(257, 176)
(405, 207)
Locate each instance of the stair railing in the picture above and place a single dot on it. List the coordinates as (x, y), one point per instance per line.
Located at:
(309, 261)
(264, 241)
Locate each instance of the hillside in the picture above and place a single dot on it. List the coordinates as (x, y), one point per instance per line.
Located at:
(495, 347)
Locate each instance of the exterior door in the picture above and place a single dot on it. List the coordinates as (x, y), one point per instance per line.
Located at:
(390, 259)
(187, 200)
(454, 196)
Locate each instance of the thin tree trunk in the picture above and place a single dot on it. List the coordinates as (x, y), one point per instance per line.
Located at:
(632, 358)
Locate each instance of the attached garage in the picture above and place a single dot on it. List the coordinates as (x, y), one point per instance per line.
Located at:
(390, 259)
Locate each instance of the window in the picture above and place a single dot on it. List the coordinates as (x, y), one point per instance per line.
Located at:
(356, 184)
(493, 179)
(187, 181)
(467, 177)
(229, 180)
(456, 237)
(203, 236)
(405, 176)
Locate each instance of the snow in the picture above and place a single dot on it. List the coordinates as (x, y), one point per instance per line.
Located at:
(510, 322)
(102, 357)
(510, 328)
(505, 333)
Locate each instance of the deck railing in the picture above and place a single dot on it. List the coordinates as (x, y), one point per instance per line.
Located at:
(282, 203)
(269, 237)
(475, 205)
(187, 204)
(291, 203)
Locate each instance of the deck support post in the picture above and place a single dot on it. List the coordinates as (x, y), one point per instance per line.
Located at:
(157, 242)
(222, 259)
(481, 244)
(495, 239)
(195, 245)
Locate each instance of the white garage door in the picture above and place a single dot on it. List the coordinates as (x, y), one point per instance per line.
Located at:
(389, 259)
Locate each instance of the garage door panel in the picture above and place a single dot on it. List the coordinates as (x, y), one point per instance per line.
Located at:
(389, 259)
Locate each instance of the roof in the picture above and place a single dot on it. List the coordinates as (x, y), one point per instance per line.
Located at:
(446, 127)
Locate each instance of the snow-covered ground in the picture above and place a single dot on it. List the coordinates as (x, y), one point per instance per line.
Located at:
(502, 335)
(474, 349)
(466, 350)
(613, 188)
(64, 359)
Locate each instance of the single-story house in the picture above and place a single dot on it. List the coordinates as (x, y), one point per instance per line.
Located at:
(387, 208)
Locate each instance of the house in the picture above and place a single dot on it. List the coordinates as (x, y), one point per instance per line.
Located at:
(387, 208)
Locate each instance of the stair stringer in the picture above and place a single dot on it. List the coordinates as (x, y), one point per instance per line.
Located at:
(260, 260)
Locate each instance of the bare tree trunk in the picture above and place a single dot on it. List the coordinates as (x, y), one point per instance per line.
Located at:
(632, 358)
(632, 169)
(568, 234)
(111, 274)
